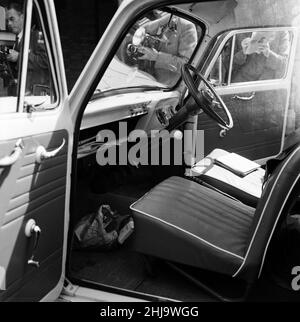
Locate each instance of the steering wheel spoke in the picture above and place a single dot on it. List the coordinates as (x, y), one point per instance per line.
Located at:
(206, 98)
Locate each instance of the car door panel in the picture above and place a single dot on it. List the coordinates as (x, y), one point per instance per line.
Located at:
(35, 185)
(258, 124)
(48, 276)
(258, 116)
(30, 190)
(262, 113)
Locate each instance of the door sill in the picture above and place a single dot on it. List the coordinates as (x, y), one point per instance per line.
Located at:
(76, 293)
(83, 294)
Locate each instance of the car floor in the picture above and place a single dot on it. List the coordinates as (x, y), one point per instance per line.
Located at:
(123, 268)
(127, 271)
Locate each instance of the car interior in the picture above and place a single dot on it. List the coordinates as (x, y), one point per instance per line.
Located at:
(170, 172)
(202, 232)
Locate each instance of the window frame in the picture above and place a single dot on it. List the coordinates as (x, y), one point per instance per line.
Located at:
(32, 7)
(225, 37)
(199, 24)
(35, 9)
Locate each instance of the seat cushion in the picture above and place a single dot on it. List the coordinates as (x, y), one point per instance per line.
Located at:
(182, 221)
(247, 189)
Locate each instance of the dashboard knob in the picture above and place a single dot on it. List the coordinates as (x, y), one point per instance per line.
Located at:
(178, 135)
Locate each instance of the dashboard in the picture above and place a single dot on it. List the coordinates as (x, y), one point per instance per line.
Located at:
(147, 111)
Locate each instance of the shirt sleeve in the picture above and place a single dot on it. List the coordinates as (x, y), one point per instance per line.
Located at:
(278, 60)
(240, 58)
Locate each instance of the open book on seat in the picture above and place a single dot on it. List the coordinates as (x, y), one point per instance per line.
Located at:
(237, 164)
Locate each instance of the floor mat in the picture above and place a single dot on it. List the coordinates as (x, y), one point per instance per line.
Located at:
(117, 268)
(127, 270)
(170, 284)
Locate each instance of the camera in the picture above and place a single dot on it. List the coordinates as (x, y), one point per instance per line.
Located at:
(133, 51)
(142, 39)
(5, 69)
(4, 51)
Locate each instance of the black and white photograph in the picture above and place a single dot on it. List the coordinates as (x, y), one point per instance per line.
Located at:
(149, 153)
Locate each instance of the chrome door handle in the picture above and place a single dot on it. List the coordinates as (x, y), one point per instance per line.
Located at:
(223, 133)
(244, 98)
(8, 161)
(42, 154)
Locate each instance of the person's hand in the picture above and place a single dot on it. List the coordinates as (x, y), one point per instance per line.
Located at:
(264, 48)
(148, 53)
(13, 56)
(245, 44)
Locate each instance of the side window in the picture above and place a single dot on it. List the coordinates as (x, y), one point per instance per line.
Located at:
(39, 83)
(253, 56)
(152, 52)
(12, 24)
(39, 89)
(220, 72)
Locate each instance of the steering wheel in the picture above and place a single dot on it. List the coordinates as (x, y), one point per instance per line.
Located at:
(207, 99)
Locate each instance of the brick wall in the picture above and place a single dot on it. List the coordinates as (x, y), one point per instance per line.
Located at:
(81, 24)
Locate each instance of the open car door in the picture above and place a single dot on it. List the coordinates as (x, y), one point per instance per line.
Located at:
(256, 90)
(35, 148)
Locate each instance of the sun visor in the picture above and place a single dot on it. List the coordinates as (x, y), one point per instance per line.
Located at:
(212, 12)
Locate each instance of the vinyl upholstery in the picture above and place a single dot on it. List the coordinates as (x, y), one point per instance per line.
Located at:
(197, 225)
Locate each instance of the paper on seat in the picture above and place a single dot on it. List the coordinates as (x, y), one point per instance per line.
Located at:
(237, 164)
(251, 183)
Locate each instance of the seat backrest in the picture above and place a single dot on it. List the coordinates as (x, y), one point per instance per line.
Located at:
(282, 185)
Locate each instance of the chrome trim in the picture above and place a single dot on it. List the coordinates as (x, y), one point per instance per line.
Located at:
(8, 161)
(244, 98)
(24, 57)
